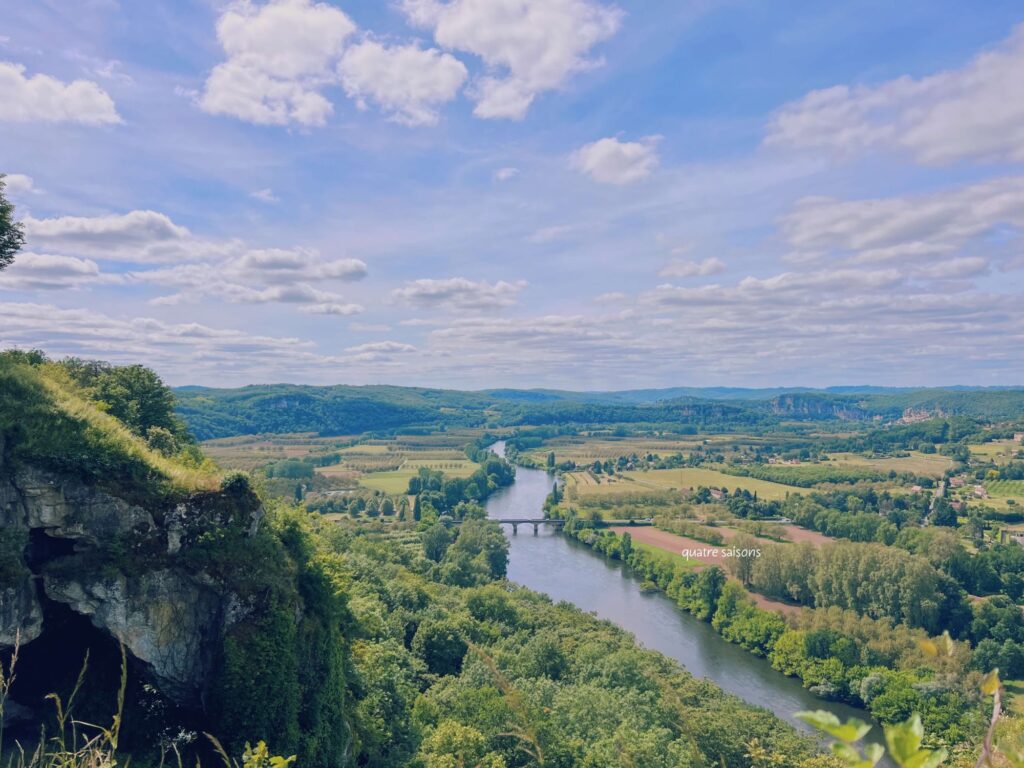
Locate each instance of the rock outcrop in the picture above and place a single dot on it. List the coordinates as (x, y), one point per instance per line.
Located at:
(124, 567)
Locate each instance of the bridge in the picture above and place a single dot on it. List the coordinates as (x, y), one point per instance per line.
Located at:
(515, 522)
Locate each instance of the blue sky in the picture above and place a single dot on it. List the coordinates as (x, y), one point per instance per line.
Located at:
(564, 193)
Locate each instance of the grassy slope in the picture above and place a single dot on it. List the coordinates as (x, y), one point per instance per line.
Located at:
(45, 420)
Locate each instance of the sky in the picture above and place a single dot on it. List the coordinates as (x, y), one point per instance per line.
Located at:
(577, 194)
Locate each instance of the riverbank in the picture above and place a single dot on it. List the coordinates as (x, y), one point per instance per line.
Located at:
(706, 554)
(567, 570)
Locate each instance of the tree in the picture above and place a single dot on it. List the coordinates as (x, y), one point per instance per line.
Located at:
(436, 541)
(12, 233)
(626, 545)
(137, 396)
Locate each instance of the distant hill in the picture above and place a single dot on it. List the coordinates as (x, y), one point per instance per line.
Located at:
(344, 409)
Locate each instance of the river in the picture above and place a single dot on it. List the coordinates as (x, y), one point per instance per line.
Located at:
(565, 569)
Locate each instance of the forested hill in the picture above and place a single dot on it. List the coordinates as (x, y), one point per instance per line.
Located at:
(344, 409)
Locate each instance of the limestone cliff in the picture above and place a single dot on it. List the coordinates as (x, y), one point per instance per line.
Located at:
(124, 567)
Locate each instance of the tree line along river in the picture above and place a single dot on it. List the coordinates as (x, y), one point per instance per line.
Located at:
(567, 570)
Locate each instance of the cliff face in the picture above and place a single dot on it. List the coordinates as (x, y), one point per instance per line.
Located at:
(812, 406)
(125, 568)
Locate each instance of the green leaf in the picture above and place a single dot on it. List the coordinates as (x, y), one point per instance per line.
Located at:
(850, 731)
(904, 740)
(853, 758)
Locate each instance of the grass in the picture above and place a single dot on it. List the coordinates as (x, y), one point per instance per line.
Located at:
(1015, 697)
(1001, 491)
(998, 451)
(391, 483)
(693, 477)
(673, 558)
(917, 463)
(112, 431)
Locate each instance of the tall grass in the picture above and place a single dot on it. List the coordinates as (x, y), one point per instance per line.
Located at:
(78, 744)
(74, 744)
(113, 436)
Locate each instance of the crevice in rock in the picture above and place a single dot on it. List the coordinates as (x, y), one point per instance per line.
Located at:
(43, 549)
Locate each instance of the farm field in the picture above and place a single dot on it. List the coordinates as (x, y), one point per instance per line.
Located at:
(919, 463)
(1002, 492)
(998, 451)
(586, 450)
(383, 465)
(249, 452)
(693, 477)
(654, 539)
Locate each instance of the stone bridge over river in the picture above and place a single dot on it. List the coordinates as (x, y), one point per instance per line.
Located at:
(536, 522)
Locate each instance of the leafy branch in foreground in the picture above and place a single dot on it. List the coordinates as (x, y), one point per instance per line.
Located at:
(905, 740)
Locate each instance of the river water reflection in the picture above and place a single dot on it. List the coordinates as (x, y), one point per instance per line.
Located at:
(566, 570)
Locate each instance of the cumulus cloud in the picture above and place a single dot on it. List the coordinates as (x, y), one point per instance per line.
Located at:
(907, 228)
(611, 161)
(681, 269)
(41, 98)
(19, 184)
(197, 267)
(139, 236)
(387, 347)
(406, 81)
(332, 309)
(528, 46)
(971, 113)
(43, 271)
(186, 352)
(458, 293)
(279, 58)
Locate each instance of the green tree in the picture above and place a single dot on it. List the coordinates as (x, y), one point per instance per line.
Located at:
(137, 396)
(436, 541)
(12, 233)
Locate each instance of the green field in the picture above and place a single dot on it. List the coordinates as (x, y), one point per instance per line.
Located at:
(998, 451)
(673, 558)
(1001, 491)
(694, 477)
(919, 463)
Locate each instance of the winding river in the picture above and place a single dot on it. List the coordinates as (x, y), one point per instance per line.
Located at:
(565, 569)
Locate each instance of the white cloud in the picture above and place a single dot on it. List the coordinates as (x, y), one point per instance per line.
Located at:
(332, 309)
(199, 268)
(710, 266)
(458, 293)
(42, 271)
(910, 228)
(528, 46)
(972, 113)
(139, 236)
(611, 161)
(42, 98)
(20, 184)
(504, 174)
(303, 263)
(265, 196)
(189, 352)
(280, 56)
(406, 81)
(149, 237)
(387, 347)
